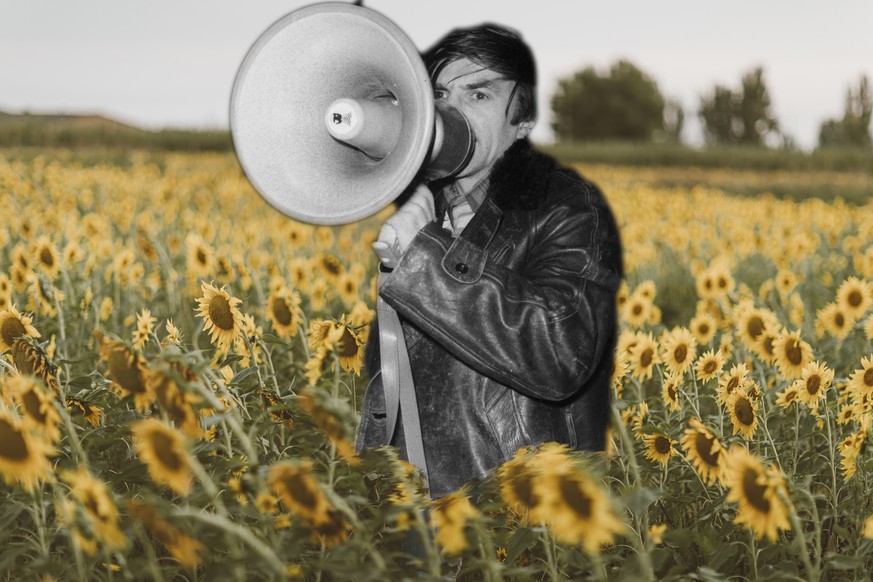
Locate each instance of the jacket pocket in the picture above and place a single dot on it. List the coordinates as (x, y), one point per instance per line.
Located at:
(372, 431)
(502, 415)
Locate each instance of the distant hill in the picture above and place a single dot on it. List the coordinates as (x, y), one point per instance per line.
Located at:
(92, 130)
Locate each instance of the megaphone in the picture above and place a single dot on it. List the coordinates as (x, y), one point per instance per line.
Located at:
(332, 115)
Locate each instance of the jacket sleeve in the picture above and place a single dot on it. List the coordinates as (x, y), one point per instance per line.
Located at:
(541, 329)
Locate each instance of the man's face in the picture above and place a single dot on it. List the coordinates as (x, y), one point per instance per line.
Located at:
(482, 96)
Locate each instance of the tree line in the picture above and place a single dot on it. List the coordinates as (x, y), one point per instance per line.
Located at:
(625, 103)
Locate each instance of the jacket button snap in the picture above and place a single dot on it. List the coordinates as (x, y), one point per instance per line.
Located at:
(461, 268)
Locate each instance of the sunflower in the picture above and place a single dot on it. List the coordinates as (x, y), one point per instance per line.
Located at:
(220, 314)
(449, 516)
(757, 490)
(867, 530)
(360, 318)
(331, 532)
(765, 347)
(23, 456)
(299, 491)
(517, 486)
(670, 392)
(850, 448)
(174, 336)
(855, 297)
(178, 405)
(790, 395)
(736, 378)
(678, 350)
(338, 337)
(145, 325)
(327, 415)
(743, 412)
(181, 546)
(643, 356)
(659, 447)
(704, 451)
(868, 327)
(751, 322)
(347, 288)
(13, 325)
(815, 379)
(200, 258)
(577, 510)
(792, 354)
(637, 310)
(284, 312)
(833, 320)
(162, 450)
(703, 326)
(126, 370)
(90, 412)
(709, 365)
(99, 508)
(785, 282)
(38, 407)
(330, 267)
(715, 282)
(30, 359)
(860, 384)
(47, 257)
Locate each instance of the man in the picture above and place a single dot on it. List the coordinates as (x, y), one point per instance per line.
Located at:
(504, 282)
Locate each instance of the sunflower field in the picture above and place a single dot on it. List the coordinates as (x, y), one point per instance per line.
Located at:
(182, 368)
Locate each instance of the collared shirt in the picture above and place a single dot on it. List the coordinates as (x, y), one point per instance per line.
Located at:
(462, 205)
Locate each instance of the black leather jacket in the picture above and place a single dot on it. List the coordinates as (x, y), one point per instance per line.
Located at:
(510, 327)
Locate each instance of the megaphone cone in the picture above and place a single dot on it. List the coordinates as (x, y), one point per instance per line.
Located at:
(332, 115)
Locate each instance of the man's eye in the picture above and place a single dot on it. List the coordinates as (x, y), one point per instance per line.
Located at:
(439, 95)
(479, 96)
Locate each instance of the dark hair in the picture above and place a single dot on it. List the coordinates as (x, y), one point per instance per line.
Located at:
(497, 48)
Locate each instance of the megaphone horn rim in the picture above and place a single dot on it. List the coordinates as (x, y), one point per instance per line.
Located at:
(409, 160)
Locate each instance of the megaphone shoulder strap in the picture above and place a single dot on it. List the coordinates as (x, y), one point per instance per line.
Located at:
(399, 386)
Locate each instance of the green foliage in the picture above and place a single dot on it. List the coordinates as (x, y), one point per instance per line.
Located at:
(854, 128)
(741, 117)
(623, 104)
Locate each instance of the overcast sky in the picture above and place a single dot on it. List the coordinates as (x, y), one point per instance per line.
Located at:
(172, 63)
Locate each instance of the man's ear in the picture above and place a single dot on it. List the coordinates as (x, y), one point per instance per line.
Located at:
(524, 129)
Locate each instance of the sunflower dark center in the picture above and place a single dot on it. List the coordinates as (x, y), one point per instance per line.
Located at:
(662, 445)
(11, 329)
(166, 454)
(646, 357)
(813, 383)
(793, 352)
(768, 345)
(33, 406)
(680, 353)
(732, 384)
(839, 320)
(754, 491)
(281, 311)
(201, 256)
(722, 283)
(745, 413)
(331, 266)
(710, 366)
(348, 347)
(521, 484)
(300, 491)
(46, 256)
(868, 377)
(125, 371)
(575, 497)
(704, 449)
(637, 309)
(755, 327)
(854, 299)
(671, 390)
(220, 313)
(703, 329)
(12, 444)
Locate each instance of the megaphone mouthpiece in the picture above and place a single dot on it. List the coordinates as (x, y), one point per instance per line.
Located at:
(371, 125)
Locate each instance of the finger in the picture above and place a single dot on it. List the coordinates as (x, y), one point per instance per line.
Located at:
(424, 198)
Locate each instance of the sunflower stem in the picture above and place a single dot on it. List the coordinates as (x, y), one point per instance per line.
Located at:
(231, 415)
(78, 451)
(813, 572)
(549, 546)
(754, 554)
(245, 535)
(831, 453)
(817, 523)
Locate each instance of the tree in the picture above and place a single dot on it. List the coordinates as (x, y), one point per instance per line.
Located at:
(623, 104)
(854, 128)
(739, 117)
